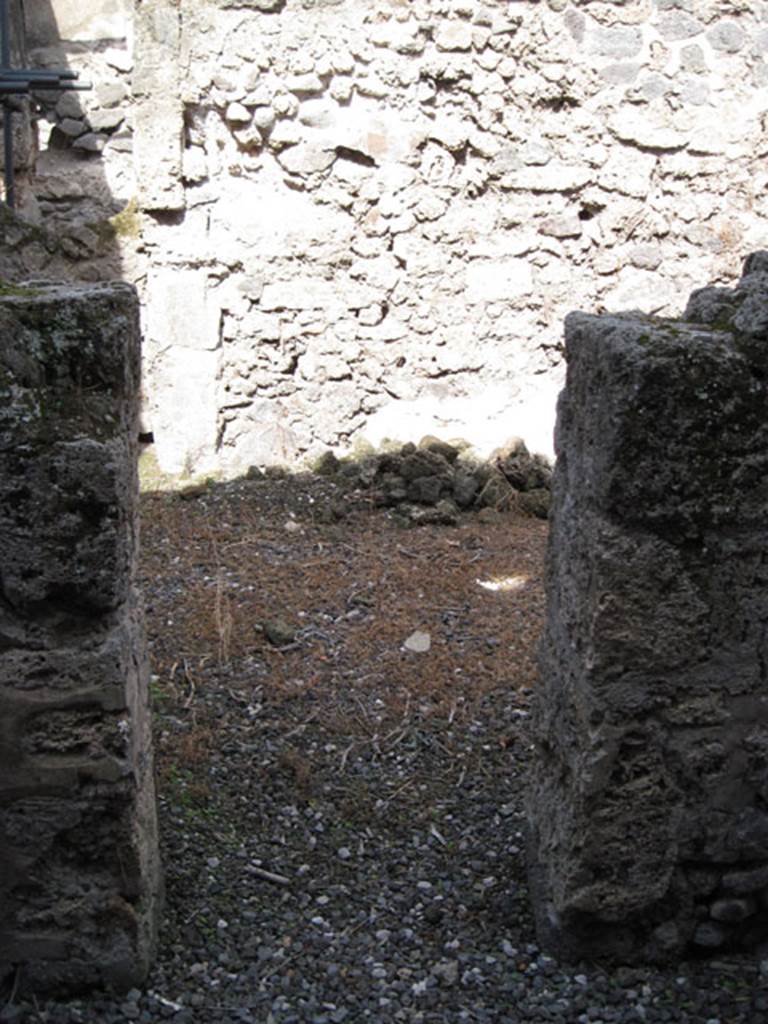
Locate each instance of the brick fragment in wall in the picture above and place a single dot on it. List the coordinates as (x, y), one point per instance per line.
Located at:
(79, 872)
(646, 806)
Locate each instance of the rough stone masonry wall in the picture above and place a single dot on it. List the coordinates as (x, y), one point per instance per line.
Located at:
(77, 221)
(387, 208)
(649, 827)
(369, 217)
(79, 875)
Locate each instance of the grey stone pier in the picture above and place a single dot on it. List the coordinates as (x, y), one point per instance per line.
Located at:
(648, 808)
(79, 872)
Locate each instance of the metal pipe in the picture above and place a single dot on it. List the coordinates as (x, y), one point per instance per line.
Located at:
(20, 86)
(5, 61)
(20, 81)
(5, 36)
(37, 73)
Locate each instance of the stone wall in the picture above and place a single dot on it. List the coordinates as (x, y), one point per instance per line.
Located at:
(78, 222)
(649, 829)
(361, 218)
(79, 875)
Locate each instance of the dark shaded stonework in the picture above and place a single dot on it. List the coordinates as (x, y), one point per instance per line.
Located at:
(648, 806)
(79, 873)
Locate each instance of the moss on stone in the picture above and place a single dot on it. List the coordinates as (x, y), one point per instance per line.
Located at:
(127, 223)
(17, 291)
(723, 323)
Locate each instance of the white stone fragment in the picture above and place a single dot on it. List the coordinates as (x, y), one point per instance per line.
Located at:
(343, 62)
(237, 114)
(306, 158)
(556, 176)
(304, 84)
(451, 132)
(630, 126)
(453, 36)
(418, 642)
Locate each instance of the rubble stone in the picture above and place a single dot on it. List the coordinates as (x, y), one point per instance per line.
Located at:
(650, 717)
(511, 167)
(79, 873)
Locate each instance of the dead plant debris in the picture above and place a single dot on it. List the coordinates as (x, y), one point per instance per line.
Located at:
(220, 570)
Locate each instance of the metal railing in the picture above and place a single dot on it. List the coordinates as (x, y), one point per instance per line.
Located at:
(20, 82)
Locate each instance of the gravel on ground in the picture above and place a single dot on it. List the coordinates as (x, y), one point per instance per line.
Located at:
(340, 739)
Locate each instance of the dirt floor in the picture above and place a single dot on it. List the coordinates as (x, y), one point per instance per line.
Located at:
(340, 719)
(304, 599)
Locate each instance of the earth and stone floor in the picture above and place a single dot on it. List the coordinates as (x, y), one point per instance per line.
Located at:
(340, 733)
